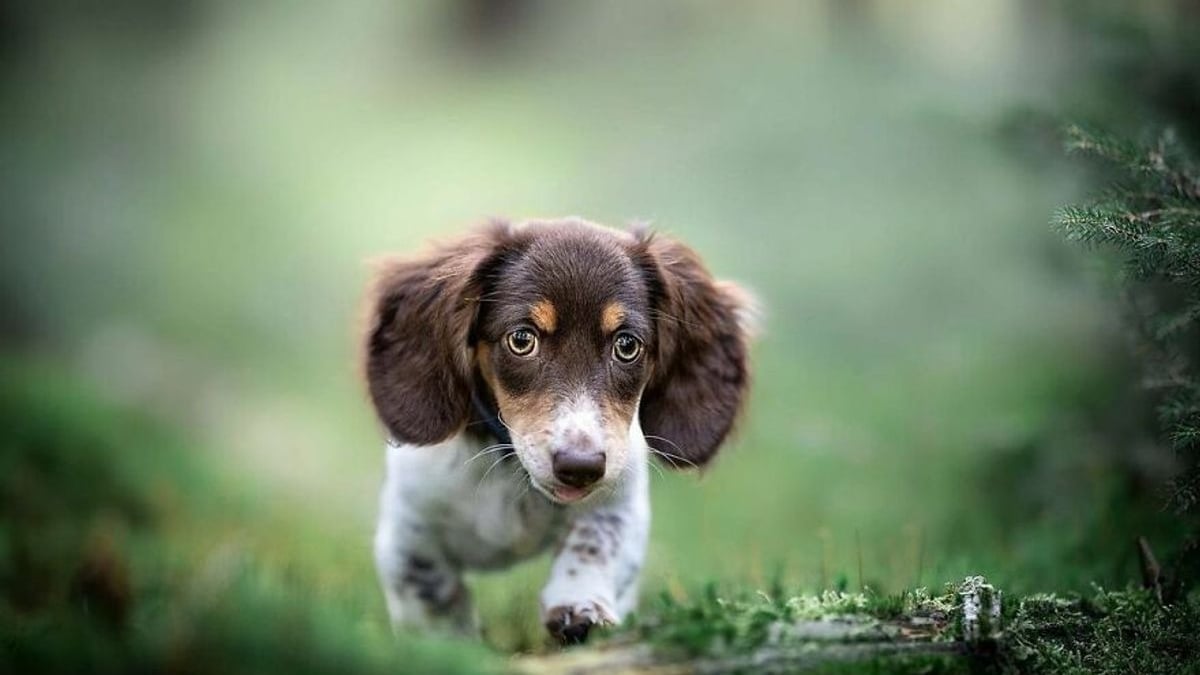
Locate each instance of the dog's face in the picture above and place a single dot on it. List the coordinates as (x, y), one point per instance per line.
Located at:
(561, 344)
(581, 337)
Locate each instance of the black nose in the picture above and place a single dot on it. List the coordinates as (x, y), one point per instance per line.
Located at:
(578, 468)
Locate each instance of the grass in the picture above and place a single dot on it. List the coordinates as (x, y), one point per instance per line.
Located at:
(115, 558)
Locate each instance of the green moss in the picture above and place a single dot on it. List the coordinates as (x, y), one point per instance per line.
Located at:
(922, 664)
(717, 623)
(1107, 632)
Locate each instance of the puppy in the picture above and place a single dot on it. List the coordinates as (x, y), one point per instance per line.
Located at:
(525, 374)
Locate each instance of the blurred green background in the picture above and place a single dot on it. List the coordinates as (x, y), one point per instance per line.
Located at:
(189, 192)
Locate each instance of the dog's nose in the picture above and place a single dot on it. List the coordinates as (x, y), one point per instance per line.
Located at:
(578, 468)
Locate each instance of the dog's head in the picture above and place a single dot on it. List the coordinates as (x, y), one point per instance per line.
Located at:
(580, 337)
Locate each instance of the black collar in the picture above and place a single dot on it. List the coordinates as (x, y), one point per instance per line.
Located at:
(490, 417)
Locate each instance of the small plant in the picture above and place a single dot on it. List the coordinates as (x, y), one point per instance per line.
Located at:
(979, 609)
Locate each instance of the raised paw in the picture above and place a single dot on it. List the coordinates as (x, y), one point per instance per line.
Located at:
(570, 624)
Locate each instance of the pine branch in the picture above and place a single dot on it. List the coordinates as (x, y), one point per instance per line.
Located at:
(1152, 218)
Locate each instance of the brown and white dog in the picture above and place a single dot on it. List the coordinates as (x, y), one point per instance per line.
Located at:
(524, 373)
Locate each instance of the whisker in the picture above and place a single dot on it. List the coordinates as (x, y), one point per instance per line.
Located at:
(673, 458)
(488, 450)
(659, 314)
(485, 473)
(654, 465)
(511, 432)
(612, 488)
(665, 440)
(485, 297)
(528, 484)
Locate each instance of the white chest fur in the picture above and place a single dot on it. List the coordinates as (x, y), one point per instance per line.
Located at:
(479, 508)
(447, 508)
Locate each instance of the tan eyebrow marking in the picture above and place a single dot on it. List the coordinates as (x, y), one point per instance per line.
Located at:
(612, 316)
(544, 316)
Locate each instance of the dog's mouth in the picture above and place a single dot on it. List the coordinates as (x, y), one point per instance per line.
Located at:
(564, 494)
(569, 495)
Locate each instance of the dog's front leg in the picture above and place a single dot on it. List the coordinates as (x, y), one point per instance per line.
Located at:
(422, 588)
(423, 591)
(594, 578)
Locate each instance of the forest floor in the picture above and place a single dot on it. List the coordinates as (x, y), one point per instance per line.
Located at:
(118, 557)
(966, 628)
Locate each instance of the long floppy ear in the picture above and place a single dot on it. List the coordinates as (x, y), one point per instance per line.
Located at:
(700, 372)
(417, 350)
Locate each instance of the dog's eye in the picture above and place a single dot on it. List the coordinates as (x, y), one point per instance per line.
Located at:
(627, 348)
(522, 341)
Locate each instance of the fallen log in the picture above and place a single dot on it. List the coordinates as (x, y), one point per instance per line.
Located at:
(927, 628)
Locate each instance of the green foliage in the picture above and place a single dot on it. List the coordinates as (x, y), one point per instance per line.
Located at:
(715, 623)
(1105, 632)
(1109, 632)
(1150, 215)
(112, 559)
(711, 623)
(896, 664)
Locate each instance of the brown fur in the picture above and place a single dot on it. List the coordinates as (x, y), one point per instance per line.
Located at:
(418, 361)
(702, 363)
(439, 324)
(527, 414)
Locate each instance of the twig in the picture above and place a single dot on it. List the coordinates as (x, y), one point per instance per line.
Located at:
(1152, 575)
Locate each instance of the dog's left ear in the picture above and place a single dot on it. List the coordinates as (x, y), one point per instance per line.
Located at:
(700, 370)
(417, 354)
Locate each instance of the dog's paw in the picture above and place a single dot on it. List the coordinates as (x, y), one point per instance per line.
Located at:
(570, 624)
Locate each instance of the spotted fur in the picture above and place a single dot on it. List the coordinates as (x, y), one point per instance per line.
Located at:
(505, 445)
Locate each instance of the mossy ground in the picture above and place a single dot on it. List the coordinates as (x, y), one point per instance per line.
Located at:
(97, 577)
(1106, 631)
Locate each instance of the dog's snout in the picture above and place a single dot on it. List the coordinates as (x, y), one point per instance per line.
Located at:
(578, 467)
(577, 455)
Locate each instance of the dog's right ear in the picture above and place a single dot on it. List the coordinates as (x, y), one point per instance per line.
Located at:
(417, 352)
